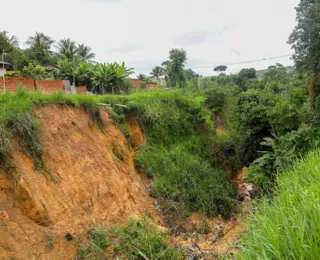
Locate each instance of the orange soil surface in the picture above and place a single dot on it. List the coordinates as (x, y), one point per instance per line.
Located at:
(96, 185)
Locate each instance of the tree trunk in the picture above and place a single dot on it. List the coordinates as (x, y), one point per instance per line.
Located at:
(215, 122)
(34, 85)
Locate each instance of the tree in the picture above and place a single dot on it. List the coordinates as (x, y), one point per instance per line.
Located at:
(157, 71)
(4, 44)
(305, 39)
(74, 70)
(111, 76)
(243, 76)
(141, 77)
(220, 68)
(67, 48)
(40, 48)
(176, 73)
(34, 72)
(191, 74)
(277, 73)
(13, 40)
(85, 52)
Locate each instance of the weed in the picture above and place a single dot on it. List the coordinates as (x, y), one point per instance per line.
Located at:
(49, 240)
(141, 240)
(97, 245)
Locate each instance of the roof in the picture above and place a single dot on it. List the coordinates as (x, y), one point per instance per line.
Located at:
(5, 63)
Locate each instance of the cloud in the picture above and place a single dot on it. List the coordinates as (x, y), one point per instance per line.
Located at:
(192, 38)
(125, 48)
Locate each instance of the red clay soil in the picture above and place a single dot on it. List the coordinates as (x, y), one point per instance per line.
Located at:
(135, 131)
(96, 185)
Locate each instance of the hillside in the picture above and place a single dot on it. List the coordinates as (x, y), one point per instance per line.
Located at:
(72, 164)
(94, 183)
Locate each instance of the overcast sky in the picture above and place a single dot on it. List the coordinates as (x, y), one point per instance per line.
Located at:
(141, 32)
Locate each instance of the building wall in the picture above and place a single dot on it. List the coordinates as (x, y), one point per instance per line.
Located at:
(81, 90)
(137, 83)
(44, 86)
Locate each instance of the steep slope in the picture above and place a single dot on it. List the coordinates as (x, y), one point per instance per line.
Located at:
(95, 184)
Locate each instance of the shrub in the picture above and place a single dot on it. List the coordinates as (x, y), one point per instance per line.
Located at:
(281, 154)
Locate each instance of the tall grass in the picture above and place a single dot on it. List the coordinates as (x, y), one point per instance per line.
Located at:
(288, 225)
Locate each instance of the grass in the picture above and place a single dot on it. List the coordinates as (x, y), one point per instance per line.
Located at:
(141, 240)
(138, 239)
(187, 179)
(287, 226)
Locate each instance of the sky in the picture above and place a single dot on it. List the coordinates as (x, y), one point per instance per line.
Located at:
(142, 32)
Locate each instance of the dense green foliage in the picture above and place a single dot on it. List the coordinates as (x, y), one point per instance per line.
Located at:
(287, 226)
(188, 179)
(305, 36)
(266, 120)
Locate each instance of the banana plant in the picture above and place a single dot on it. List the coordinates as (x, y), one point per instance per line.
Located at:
(102, 76)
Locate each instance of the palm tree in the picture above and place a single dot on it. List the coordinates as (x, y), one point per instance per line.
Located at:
(141, 77)
(85, 52)
(40, 41)
(157, 71)
(13, 40)
(67, 48)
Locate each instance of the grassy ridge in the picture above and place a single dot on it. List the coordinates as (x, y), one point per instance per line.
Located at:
(288, 226)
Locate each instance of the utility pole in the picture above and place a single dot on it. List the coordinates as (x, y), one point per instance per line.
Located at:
(4, 79)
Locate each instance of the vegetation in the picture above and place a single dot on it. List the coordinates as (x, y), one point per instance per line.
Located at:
(138, 239)
(178, 134)
(287, 226)
(71, 61)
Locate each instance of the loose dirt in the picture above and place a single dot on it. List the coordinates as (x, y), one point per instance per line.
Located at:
(95, 184)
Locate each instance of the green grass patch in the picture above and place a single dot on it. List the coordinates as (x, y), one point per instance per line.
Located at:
(287, 226)
(139, 239)
(187, 179)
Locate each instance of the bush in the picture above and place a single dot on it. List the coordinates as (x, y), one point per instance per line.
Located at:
(287, 226)
(281, 154)
(187, 179)
(165, 117)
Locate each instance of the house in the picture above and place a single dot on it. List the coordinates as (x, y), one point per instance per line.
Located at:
(5, 65)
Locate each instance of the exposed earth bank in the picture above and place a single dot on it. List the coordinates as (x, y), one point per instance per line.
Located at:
(90, 181)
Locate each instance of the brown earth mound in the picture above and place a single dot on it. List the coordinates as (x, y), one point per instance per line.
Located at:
(95, 184)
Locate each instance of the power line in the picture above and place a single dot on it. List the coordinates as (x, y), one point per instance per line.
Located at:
(229, 64)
